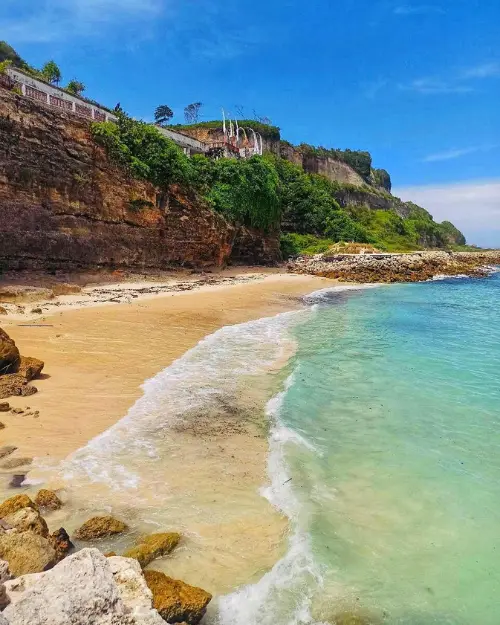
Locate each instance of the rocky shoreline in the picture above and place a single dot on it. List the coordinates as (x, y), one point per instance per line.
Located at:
(45, 579)
(412, 267)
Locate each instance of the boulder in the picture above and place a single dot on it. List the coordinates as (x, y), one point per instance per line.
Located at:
(30, 368)
(133, 589)
(100, 526)
(13, 504)
(61, 542)
(26, 552)
(27, 519)
(4, 406)
(10, 357)
(99, 593)
(3, 311)
(48, 500)
(24, 294)
(176, 601)
(153, 546)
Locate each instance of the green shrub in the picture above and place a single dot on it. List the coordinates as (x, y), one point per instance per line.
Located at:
(294, 244)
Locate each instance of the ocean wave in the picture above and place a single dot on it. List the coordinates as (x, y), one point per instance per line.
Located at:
(283, 596)
(203, 376)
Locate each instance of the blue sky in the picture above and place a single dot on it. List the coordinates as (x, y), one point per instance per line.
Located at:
(415, 83)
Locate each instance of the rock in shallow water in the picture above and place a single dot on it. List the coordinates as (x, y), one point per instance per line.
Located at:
(176, 601)
(100, 526)
(48, 500)
(153, 546)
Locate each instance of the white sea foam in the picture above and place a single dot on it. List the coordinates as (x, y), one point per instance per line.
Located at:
(438, 277)
(204, 374)
(282, 596)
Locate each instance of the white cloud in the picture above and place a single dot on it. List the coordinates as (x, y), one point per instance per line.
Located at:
(486, 70)
(449, 155)
(418, 9)
(54, 20)
(432, 86)
(474, 207)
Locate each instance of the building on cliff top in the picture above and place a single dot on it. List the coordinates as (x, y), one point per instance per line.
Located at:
(45, 93)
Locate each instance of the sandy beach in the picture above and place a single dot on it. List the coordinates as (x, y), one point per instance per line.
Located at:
(96, 358)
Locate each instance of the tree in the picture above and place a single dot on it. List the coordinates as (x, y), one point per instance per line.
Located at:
(75, 87)
(192, 113)
(51, 73)
(163, 114)
(7, 53)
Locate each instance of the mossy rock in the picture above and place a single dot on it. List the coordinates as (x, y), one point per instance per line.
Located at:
(176, 601)
(13, 504)
(153, 546)
(48, 500)
(99, 527)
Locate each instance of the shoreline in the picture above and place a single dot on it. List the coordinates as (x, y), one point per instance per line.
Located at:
(97, 360)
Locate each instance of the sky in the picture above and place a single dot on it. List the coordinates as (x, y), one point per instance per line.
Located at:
(415, 83)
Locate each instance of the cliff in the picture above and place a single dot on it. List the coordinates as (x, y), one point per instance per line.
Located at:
(63, 204)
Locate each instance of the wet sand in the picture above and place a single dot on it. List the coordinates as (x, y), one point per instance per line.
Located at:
(96, 360)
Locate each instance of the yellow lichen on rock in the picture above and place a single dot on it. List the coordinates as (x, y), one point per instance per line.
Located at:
(153, 546)
(26, 552)
(48, 500)
(176, 601)
(100, 526)
(13, 504)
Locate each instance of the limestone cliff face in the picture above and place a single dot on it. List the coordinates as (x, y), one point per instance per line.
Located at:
(64, 205)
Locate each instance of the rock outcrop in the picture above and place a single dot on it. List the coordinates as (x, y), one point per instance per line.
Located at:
(99, 527)
(176, 601)
(85, 588)
(413, 267)
(153, 546)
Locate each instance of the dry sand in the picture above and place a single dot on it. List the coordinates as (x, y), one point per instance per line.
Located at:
(96, 359)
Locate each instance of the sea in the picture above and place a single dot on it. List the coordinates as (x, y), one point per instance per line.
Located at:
(383, 430)
(385, 456)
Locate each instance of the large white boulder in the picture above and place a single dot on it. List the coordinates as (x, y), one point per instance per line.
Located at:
(84, 589)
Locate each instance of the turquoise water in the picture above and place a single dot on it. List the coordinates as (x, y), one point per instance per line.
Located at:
(396, 390)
